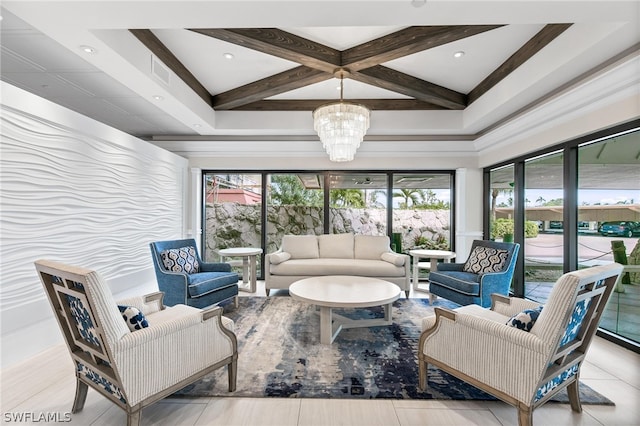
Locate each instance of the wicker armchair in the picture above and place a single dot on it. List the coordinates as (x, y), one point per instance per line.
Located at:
(134, 368)
(521, 368)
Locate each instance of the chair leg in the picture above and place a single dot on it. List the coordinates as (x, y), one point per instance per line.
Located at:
(525, 416)
(573, 391)
(81, 396)
(422, 374)
(432, 298)
(236, 301)
(133, 419)
(232, 372)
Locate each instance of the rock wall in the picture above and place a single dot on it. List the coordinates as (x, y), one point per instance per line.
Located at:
(238, 225)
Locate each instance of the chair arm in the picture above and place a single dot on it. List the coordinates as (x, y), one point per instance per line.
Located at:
(494, 282)
(147, 304)
(510, 306)
(215, 267)
(446, 266)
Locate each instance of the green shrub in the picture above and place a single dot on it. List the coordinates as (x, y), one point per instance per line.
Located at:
(500, 227)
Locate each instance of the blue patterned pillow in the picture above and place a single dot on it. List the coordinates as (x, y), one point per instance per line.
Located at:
(483, 260)
(182, 259)
(525, 319)
(133, 317)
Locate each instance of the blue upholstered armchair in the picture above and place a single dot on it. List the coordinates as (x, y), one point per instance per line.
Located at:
(186, 279)
(489, 269)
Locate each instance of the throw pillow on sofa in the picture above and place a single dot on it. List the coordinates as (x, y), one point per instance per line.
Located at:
(182, 259)
(277, 258)
(393, 258)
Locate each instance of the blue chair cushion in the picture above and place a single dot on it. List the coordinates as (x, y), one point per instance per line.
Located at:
(463, 282)
(183, 259)
(133, 317)
(526, 319)
(484, 260)
(206, 282)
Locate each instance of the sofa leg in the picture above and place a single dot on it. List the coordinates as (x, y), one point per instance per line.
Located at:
(432, 298)
(267, 290)
(407, 293)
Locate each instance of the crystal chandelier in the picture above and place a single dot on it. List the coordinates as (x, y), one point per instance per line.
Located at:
(341, 125)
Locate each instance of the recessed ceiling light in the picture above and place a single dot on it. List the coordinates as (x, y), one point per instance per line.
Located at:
(88, 49)
(228, 55)
(458, 54)
(158, 97)
(197, 125)
(418, 3)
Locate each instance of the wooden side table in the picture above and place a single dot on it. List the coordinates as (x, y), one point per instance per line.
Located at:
(433, 255)
(249, 258)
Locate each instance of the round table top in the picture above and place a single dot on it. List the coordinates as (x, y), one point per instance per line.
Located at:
(436, 254)
(240, 251)
(344, 291)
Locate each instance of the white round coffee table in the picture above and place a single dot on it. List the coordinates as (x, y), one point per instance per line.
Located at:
(344, 291)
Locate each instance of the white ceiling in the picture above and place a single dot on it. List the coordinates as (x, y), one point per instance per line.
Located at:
(41, 53)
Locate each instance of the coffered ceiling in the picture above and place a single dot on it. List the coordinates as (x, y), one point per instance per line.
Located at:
(250, 71)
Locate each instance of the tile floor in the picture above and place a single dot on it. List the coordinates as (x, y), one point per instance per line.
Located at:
(45, 384)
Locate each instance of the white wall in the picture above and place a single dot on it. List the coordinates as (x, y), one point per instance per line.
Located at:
(79, 192)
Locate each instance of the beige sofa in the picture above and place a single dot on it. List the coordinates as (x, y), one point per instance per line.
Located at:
(304, 256)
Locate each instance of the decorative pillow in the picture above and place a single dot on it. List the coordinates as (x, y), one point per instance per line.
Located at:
(133, 317)
(277, 258)
(393, 258)
(483, 260)
(525, 319)
(182, 259)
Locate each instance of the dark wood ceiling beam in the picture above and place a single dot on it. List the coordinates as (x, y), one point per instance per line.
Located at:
(406, 42)
(279, 43)
(408, 85)
(311, 104)
(164, 54)
(522, 55)
(270, 86)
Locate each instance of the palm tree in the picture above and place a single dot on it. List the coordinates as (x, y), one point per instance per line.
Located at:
(347, 198)
(416, 196)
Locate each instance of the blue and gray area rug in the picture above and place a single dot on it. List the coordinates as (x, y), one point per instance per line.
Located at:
(280, 355)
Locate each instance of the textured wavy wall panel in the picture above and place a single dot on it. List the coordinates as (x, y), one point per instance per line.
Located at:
(80, 199)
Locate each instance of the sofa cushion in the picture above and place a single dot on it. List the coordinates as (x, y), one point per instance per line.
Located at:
(206, 282)
(394, 258)
(462, 282)
(133, 317)
(370, 246)
(183, 259)
(336, 245)
(279, 257)
(483, 260)
(301, 246)
(526, 319)
(321, 267)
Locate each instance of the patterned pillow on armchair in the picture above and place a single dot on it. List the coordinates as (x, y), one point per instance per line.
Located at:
(182, 259)
(484, 260)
